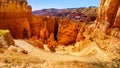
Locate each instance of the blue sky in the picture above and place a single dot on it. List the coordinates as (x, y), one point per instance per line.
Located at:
(41, 4)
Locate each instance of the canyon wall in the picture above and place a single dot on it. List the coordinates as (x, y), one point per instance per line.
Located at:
(68, 34)
(15, 15)
(108, 19)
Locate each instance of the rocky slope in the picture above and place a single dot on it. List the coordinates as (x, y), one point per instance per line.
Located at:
(107, 22)
(105, 31)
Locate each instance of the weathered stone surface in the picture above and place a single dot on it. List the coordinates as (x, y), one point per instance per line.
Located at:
(108, 11)
(14, 15)
(44, 35)
(35, 27)
(51, 42)
(108, 17)
(6, 39)
(117, 19)
(50, 24)
(106, 27)
(67, 34)
(80, 33)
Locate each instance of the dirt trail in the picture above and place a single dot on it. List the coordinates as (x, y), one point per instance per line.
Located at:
(57, 57)
(93, 50)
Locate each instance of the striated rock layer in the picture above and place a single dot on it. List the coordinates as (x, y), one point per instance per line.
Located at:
(68, 34)
(108, 19)
(106, 30)
(15, 16)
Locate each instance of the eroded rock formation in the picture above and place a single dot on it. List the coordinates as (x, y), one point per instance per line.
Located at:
(35, 27)
(106, 32)
(14, 15)
(46, 26)
(44, 35)
(51, 42)
(68, 34)
(109, 17)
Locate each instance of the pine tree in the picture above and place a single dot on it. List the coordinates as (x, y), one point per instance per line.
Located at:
(25, 33)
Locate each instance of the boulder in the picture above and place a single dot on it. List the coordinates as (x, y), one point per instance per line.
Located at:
(6, 39)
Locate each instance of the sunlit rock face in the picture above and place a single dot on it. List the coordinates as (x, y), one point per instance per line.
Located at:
(44, 26)
(107, 26)
(34, 27)
(108, 19)
(67, 34)
(15, 16)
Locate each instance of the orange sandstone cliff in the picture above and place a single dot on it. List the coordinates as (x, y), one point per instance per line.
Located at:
(14, 15)
(108, 19)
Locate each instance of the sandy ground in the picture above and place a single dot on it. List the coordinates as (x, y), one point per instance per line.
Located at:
(82, 56)
(88, 57)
